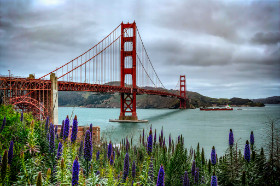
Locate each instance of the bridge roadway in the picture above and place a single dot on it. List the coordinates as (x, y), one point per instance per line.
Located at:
(20, 85)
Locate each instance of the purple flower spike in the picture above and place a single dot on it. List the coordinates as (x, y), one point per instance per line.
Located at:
(88, 146)
(109, 150)
(193, 168)
(90, 128)
(213, 156)
(150, 143)
(160, 179)
(66, 128)
(143, 139)
(59, 150)
(81, 149)
(112, 159)
(127, 145)
(186, 181)
(214, 181)
(51, 138)
(97, 155)
(61, 130)
(196, 175)
(74, 130)
(230, 138)
(155, 137)
(11, 152)
(55, 130)
(75, 173)
(21, 116)
(169, 140)
(47, 124)
(133, 170)
(151, 172)
(126, 167)
(247, 151)
(3, 124)
(252, 139)
(97, 172)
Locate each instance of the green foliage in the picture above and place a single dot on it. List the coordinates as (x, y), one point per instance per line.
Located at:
(177, 166)
(32, 156)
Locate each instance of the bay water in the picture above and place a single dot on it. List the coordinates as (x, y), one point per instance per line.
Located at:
(209, 128)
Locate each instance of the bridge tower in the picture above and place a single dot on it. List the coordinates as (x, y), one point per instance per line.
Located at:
(128, 67)
(183, 102)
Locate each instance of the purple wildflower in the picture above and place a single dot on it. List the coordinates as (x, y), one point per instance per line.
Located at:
(252, 139)
(186, 181)
(151, 172)
(133, 170)
(61, 129)
(11, 152)
(150, 143)
(97, 172)
(21, 116)
(88, 146)
(75, 172)
(66, 128)
(160, 179)
(51, 138)
(90, 128)
(74, 130)
(112, 159)
(3, 124)
(126, 167)
(155, 137)
(143, 139)
(47, 124)
(59, 150)
(163, 142)
(127, 145)
(196, 175)
(214, 181)
(109, 150)
(230, 138)
(97, 155)
(81, 149)
(247, 151)
(55, 130)
(169, 140)
(193, 168)
(213, 156)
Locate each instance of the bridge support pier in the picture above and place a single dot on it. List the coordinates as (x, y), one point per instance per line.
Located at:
(54, 100)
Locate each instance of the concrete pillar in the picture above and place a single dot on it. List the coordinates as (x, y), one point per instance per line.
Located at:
(54, 99)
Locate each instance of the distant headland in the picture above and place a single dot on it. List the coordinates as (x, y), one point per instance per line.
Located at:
(97, 100)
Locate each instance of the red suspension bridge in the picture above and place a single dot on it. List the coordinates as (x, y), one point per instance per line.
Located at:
(118, 63)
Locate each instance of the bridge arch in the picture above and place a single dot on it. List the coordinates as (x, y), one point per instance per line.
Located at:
(28, 104)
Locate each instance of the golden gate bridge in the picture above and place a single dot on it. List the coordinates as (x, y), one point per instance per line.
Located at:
(118, 63)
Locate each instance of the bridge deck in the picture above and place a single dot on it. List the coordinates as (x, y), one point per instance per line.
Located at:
(25, 84)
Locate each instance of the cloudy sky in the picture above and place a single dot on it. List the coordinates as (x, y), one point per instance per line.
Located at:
(227, 48)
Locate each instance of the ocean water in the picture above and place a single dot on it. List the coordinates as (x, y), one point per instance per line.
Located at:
(209, 128)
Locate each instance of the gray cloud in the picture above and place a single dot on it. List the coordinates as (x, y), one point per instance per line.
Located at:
(266, 38)
(225, 48)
